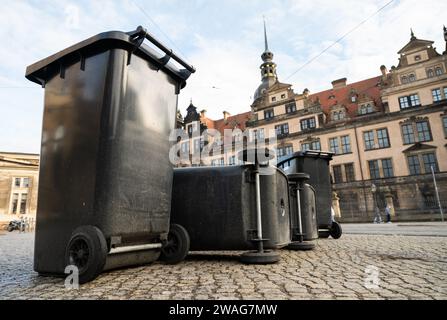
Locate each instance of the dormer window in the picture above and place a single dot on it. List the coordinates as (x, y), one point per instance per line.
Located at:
(438, 71)
(338, 115)
(366, 109)
(404, 80)
(353, 99)
(411, 78)
(430, 73)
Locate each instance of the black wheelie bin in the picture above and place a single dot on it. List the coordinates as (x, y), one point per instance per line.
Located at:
(316, 165)
(303, 213)
(105, 177)
(218, 208)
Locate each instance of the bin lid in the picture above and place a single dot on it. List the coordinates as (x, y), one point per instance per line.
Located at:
(43, 70)
(307, 154)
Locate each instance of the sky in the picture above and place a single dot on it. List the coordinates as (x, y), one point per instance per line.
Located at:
(223, 39)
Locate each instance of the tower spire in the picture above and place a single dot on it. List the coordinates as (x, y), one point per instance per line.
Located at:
(265, 37)
(412, 34)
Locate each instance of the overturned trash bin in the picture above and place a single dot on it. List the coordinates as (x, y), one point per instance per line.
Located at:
(219, 209)
(316, 165)
(105, 177)
(303, 215)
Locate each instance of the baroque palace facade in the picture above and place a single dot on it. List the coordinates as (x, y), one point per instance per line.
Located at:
(389, 130)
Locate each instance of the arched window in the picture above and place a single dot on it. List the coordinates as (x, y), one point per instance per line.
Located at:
(438, 71)
(430, 73)
(404, 79)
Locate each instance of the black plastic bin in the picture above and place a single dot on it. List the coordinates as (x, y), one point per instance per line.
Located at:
(105, 177)
(303, 213)
(217, 207)
(316, 165)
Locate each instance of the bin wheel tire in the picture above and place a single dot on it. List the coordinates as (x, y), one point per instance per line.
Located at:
(255, 257)
(87, 250)
(10, 229)
(301, 246)
(176, 248)
(323, 234)
(336, 230)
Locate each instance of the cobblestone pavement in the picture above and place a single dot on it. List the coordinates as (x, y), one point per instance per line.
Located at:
(408, 268)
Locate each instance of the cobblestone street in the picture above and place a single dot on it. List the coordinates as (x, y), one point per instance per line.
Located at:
(408, 268)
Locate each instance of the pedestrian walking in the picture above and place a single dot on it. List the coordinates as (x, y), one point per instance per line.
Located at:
(388, 213)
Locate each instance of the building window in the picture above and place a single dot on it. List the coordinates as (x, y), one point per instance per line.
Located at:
(338, 115)
(314, 145)
(444, 122)
(307, 124)
(15, 203)
(368, 138)
(185, 147)
(366, 109)
(283, 96)
(411, 78)
(409, 101)
(285, 151)
(430, 73)
(269, 114)
(23, 201)
(414, 100)
(338, 176)
(273, 99)
(404, 80)
(17, 182)
(354, 99)
(290, 107)
(345, 144)
(408, 134)
(349, 171)
(333, 145)
(26, 182)
(374, 171)
(282, 129)
(413, 164)
(423, 129)
(429, 161)
(436, 93)
(445, 92)
(221, 161)
(387, 167)
(232, 161)
(382, 138)
(438, 71)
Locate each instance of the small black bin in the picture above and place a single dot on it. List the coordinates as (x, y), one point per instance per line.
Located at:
(217, 207)
(105, 177)
(316, 165)
(303, 212)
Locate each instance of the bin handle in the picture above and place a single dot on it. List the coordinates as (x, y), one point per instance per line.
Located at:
(141, 33)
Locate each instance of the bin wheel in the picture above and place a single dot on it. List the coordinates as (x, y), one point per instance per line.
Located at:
(324, 234)
(10, 229)
(336, 230)
(255, 257)
(87, 250)
(301, 246)
(177, 247)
